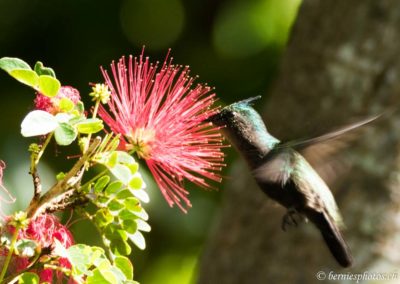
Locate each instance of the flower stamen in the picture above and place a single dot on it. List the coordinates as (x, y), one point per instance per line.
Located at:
(141, 141)
(160, 114)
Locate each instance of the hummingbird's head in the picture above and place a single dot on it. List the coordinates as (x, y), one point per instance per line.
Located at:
(245, 129)
(240, 112)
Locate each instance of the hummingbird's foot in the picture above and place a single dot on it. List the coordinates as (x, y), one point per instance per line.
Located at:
(291, 218)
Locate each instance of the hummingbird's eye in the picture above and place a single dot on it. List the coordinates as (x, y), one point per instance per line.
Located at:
(231, 114)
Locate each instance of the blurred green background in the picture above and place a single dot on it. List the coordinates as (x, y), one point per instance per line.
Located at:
(232, 45)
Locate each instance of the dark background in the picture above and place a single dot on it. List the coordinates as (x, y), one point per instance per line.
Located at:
(234, 46)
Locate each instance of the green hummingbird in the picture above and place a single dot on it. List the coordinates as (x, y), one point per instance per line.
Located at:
(284, 174)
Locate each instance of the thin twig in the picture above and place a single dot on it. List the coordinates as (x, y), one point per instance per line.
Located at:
(9, 254)
(37, 188)
(70, 179)
(35, 158)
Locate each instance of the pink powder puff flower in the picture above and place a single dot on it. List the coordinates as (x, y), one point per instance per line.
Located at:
(160, 115)
(52, 105)
(44, 230)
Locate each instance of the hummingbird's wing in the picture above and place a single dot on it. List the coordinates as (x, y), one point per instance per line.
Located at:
(301, 144)
(276, 169)
(322, 151)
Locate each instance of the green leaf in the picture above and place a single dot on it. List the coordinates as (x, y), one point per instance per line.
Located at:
(110, 231)
(63, 117)
(125, 158)
(89, 126)
(124, 264)
(100, 278)
(112, 160)
(136, 182)
(80, 258)
(113, 187)
(126, 215)
(65, 134)
(84, 259)
(142, 225)
(123, 194)
(129, 225)
(38, 122)
(120, 247)
(101, 184)
(28, 278)
(103, 217)
(76, 119)
(66, 105)
(27, 77)
(49, 86)
(142, 214)
(121, 172)
(119, 274)
(9, 64)
(102, 199)
(114, 232)
(138, 239)
(41, 70)
(115, 205)
(122, 235)
(80, 107)
(133, 167)
(132, 204)
(141, 195)
(98, 257)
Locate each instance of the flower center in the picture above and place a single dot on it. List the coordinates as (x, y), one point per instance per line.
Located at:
(141, 140)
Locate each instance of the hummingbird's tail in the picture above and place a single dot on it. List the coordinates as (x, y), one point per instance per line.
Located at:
(332, 236)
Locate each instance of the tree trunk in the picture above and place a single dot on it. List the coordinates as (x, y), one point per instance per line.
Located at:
(343, 61)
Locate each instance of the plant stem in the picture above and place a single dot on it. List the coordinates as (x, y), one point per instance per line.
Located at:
(46, 142)
(95, 110)
(64, 270)
(10, 252)
(35, 157)
(94, 178)
(68, 182)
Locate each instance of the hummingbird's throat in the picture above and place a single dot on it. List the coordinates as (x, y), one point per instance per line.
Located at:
(141, 141)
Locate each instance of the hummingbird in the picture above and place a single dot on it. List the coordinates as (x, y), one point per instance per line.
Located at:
(284, 174)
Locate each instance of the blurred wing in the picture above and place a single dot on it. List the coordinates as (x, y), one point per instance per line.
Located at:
(275, 170)
(322, 151)
(301, 144)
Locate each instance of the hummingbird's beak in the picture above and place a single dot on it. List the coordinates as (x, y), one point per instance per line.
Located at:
(249, 101)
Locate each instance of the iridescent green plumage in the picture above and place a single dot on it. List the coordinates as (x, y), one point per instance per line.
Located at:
(284, 174)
